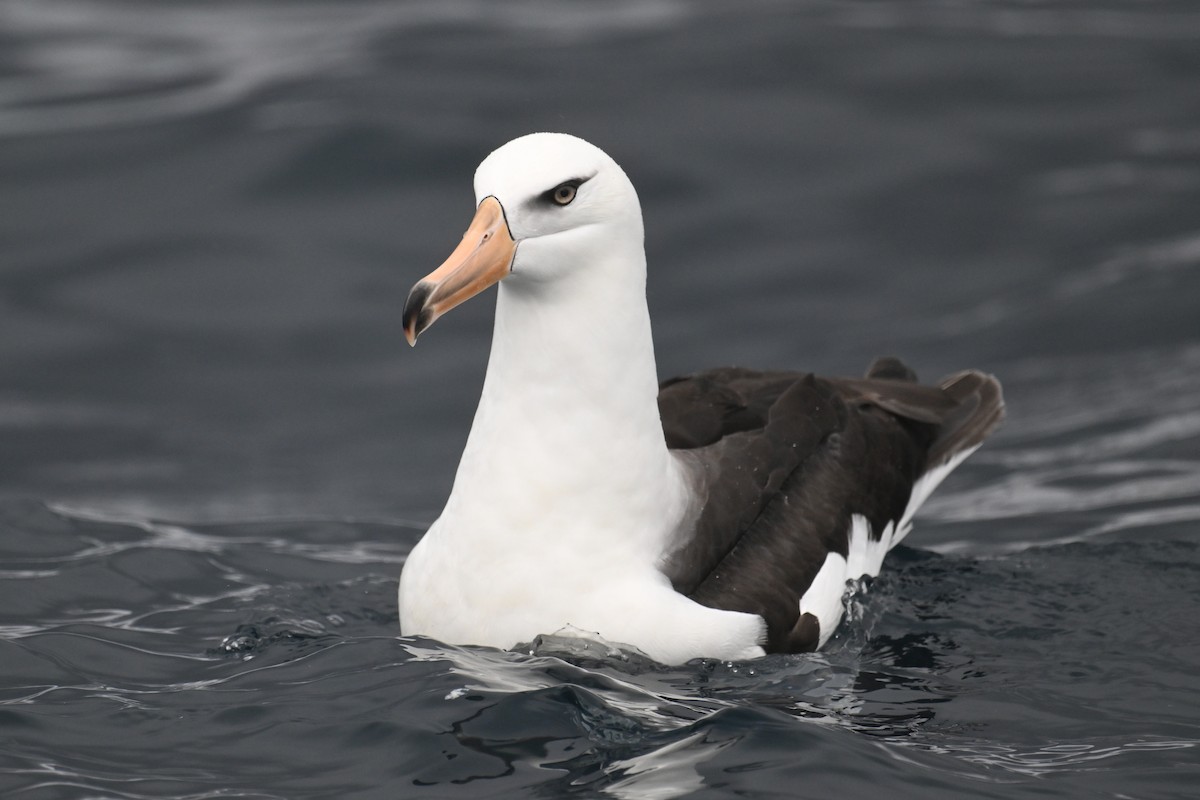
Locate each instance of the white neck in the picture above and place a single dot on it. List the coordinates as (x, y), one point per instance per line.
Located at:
(567, 444)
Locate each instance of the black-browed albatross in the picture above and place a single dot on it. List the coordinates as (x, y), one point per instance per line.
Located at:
(717, 515)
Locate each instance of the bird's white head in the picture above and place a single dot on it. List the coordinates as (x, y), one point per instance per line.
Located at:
(546, 205)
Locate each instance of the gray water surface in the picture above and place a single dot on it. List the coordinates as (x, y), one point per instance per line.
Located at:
(216, 449)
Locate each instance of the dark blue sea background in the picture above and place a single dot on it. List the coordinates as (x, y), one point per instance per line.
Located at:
(216, 448)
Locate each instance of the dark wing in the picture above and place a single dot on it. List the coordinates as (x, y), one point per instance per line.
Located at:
(785, 459)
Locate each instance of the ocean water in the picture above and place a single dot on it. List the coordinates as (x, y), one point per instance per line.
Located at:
(216, 449)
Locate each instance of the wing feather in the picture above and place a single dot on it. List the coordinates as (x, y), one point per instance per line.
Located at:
(784, 460)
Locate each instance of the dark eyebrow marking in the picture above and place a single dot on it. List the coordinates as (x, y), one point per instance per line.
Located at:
(548, 195)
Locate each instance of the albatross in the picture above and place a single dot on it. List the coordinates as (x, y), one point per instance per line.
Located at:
(717, 515)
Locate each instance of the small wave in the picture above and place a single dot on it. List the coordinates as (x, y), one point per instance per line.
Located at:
(1082, 487)
(1048, 759)
(665, 772)
(269, 534)
(1103, 446)
(1018, 21)
(1137, 263)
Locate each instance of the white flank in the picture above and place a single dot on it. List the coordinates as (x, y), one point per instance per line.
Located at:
(823, 598)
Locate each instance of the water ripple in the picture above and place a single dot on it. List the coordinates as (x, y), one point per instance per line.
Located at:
(1041, 761)
(85, 64)
(312, 660)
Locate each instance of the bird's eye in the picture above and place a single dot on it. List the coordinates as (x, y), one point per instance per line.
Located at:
(564, 193)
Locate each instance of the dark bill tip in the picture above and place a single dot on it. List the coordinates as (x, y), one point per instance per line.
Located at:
(417, 317)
